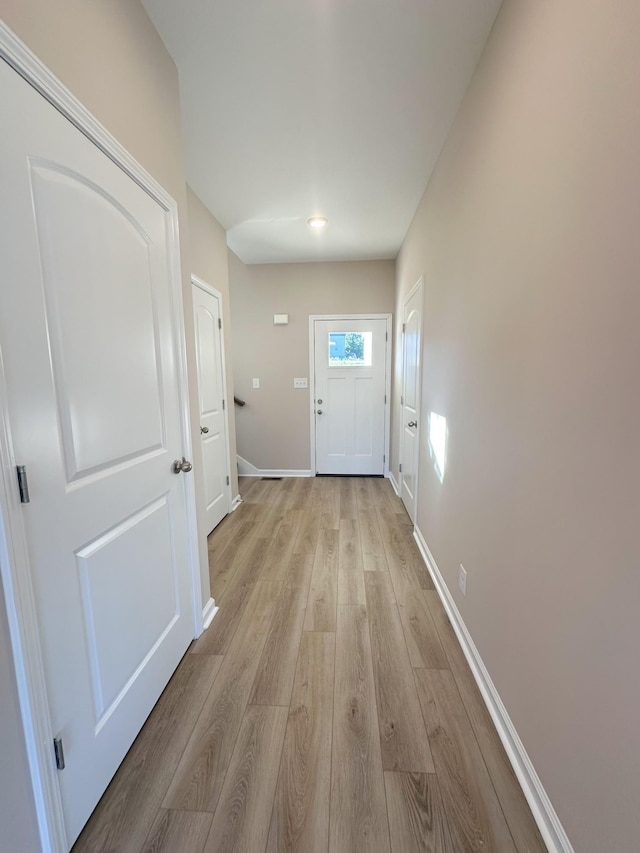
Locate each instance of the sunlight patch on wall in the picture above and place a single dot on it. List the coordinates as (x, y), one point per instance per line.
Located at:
(438, 443)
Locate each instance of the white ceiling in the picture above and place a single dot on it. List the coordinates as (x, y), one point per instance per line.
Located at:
(332, 107)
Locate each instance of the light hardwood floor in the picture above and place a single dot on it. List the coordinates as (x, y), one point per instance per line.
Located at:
(329, 707)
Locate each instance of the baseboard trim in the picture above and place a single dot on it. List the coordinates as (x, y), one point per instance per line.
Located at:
(235, 503)
(208, 612)
(543, 812)
(246, 469)
(394, 483)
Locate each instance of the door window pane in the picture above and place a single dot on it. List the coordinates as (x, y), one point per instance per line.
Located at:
(350, 349)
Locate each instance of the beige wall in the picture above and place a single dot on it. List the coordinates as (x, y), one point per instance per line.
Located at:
(528, 240)
(273, 428)
(110, 56)
(209, 261)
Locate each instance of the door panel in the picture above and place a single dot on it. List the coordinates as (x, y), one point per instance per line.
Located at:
(411, 346)
(207, 312)
(94, 405)
(350, 377)
(134, 556)
(89, 291)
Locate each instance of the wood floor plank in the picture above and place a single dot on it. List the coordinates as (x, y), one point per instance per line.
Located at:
(375, 563)
(364, 494)
(300, 817)
(127, 809)
(330, 503)
(399, 557)
(403, 739)
(420, 570)
(229, 528)
(358, 815)
(290, 489)
(280, 548)
(348, 499)
(198, 780)
(350, 568)
(178, 832)
(223, 567)
(370, 532)
(309, 532)
(323, 595)
(241, 821)
(422, 638)
(516, 809)
(233, 601)
(417, 820)
(274, 680)
(473, 810)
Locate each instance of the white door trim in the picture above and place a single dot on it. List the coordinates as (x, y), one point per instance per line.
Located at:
(417, 286)
(312, 381)
(212, 291)
(14, 561)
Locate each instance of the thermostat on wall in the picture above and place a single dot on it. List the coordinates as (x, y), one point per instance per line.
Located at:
(280, 319)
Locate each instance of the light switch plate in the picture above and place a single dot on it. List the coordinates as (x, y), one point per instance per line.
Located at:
(280, 319)
(300, 383)
(256, 383)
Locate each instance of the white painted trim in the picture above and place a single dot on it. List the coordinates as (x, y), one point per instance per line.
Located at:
(212, 291)
(208, 612)
(418, 286)
(246, 469)
(394, 483)
(235, 503)
(14, 560)
(541, 807)
(312, 382)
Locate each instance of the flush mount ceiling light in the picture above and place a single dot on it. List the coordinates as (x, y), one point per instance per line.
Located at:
(317, 223)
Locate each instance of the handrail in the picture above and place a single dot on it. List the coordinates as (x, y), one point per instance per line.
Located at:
(239, 402)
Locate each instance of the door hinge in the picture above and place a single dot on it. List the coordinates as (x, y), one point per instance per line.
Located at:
(384, 458)
(404, 328)
(386, 336)
(400, 467)
(227, 479)
(59, 752)
(223, 405)
(23, 484)
(385, 399)
(402, 401)
(219, 323)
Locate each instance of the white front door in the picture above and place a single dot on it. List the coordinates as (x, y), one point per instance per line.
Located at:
(349, 392)
(213, 422)
(90, 359)
(410, 406)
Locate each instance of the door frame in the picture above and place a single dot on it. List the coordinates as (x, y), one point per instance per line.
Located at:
(312, 382)
(212, 291)
(418, 286)
(19, 598)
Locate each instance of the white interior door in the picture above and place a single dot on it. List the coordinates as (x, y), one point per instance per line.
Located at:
(349, 390)
(410, 406)
(90, 358)
(213, 421)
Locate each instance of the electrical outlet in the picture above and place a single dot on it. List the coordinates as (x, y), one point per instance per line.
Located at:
(300, 383)
(256, 383)
(462, 580)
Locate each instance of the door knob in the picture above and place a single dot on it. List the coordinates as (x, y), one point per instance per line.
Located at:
(181, 466)
(204, 430)
(412, 423)
(319, 411)
(320, 401)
